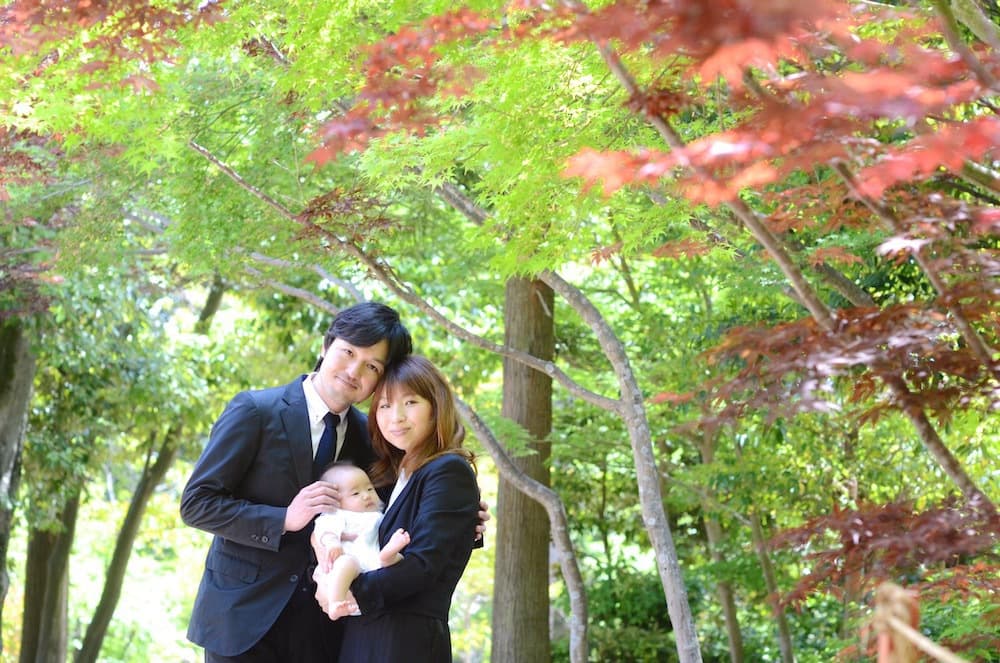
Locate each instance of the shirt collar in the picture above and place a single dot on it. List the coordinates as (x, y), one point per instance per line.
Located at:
(315, 405)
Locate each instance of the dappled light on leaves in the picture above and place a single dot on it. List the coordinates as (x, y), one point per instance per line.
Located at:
(785, 212)
(122, 29)
(400, 71)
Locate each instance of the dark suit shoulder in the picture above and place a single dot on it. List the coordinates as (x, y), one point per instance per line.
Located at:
(451, 462)
(270, 397)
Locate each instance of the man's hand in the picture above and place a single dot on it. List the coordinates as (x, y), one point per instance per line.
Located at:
(316, 498)
(484, 515)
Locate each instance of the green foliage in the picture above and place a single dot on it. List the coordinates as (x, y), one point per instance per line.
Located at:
(975, 631)
(162, 578)
(628, 621)
(117, 363)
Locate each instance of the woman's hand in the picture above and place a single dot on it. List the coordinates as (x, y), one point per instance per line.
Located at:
(484, 515)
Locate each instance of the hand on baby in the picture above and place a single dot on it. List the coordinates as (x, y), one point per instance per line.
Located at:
(325, 556)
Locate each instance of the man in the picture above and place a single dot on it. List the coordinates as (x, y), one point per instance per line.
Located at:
(255, 488)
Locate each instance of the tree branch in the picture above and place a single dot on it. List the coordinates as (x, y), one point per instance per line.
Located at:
(949, 27)
(384, 273)
(558, 522)
(292, 291)
(975, 342)
(351, 289)
(775, 247)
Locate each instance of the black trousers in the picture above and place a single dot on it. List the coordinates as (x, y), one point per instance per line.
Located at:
(301, 634)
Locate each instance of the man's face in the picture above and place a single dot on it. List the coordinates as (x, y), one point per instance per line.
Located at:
(348, 373)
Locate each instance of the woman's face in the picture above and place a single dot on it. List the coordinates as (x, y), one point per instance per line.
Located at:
(405, 419)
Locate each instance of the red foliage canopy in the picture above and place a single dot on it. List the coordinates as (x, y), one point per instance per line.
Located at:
(841, 126)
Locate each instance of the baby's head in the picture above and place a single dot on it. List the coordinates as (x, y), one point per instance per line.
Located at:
(356, 490)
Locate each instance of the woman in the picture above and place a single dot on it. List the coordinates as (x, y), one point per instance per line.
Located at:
(417, 435)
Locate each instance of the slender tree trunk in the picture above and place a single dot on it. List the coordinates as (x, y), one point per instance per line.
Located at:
(17, 373)
(784, 633)
(771, 583)
(727, 598)
(713, 531)
(151, 477)
(44, 633)
(632, 409)
(549, 499)
(211, 307)
(852, 588)
(521, 600)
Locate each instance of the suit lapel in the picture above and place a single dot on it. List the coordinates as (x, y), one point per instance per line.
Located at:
(392, 513)
(295, 419)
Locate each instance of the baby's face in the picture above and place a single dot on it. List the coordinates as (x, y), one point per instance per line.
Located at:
(356, 490)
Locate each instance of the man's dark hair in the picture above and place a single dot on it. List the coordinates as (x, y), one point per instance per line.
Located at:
(366, 324)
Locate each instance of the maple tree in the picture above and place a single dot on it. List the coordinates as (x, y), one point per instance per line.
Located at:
(852, 142)
(801, 121)
(892, 129)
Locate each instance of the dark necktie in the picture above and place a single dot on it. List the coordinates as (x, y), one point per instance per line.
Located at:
(327, 444)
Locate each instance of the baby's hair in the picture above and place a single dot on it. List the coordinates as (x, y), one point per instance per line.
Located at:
(339, 464)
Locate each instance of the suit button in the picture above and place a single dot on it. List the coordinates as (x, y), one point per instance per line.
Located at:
(264, 539)
(293, 578)
(253, 537)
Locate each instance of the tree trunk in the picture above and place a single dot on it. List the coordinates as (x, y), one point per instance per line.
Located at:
(521, 599)
(17, 373)
(632, 409)
(151, 477)
(559, 523)
(784, 634)
(706, 446)
(727, 598)
(770, 583)
(211, 307)
(44, 633)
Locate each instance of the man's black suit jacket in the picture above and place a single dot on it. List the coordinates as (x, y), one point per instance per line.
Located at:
(258, 457)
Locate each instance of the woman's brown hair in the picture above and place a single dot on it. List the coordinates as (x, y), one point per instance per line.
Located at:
(418, 375)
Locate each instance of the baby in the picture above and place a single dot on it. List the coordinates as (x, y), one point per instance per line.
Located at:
(360, 514)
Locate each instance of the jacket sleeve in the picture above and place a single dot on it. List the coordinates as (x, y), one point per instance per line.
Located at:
(221, 496)
(441, 524)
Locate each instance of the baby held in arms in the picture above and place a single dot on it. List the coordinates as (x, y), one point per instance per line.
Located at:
(340, 560)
